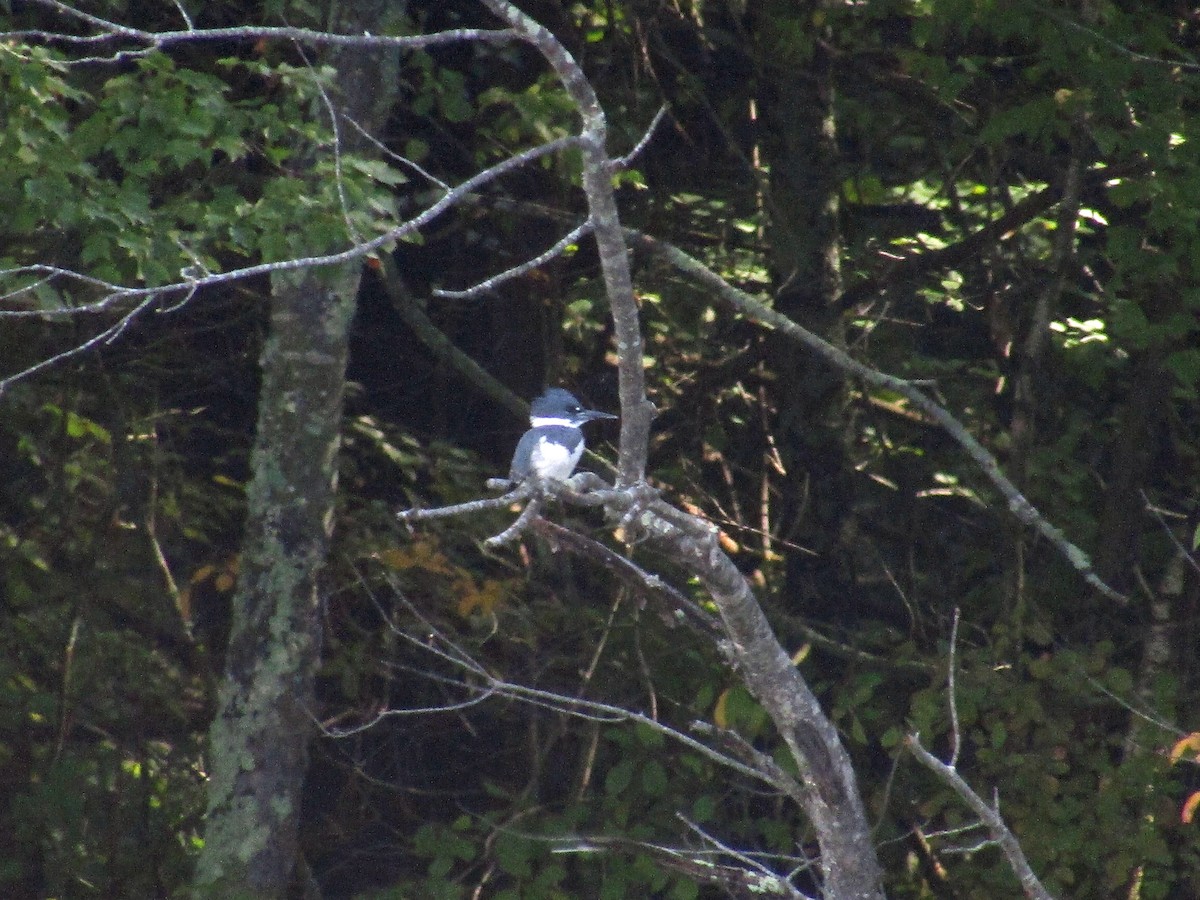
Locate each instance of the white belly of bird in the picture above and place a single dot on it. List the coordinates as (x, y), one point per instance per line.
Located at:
(552, 460)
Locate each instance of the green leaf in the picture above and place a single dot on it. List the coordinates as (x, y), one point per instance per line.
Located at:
(857, 731)
(513, 854)
(684, 889)
(654, 779)
(704, 807)
(619, 778)
(1185, 365)
(999, 734)
(377, 170)
(649, 736)
(1031, 118)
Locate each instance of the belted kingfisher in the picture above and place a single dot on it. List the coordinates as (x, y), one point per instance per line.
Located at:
(552, 446)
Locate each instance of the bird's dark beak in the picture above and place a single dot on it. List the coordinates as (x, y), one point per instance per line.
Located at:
(596, 414)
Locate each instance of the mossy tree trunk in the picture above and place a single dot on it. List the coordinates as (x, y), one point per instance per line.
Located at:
(259, 740)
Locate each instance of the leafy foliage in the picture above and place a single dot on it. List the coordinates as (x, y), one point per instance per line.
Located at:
(958, 123)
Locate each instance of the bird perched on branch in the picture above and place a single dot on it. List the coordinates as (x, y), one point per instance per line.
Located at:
(552, 446)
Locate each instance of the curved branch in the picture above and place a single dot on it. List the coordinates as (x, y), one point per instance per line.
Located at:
(754, 310)
(990, 817)
(108, 31)
(830, 796)
(188, 287)
(433, 641)
(636, 411)
(555, 250)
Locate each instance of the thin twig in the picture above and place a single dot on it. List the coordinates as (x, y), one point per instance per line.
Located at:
(749, 306)
(394, 156)
(774, 878)
(482, 695)
(1180, 549)
(490, 284)
(339, 179)
(183, 14)
(416, 514)
(1185, 65)
(953, 701)
(633, 576)
(109, 32)
(189, 287)
(989, 815)
(106, 336)
(441, 646)
(623, 162)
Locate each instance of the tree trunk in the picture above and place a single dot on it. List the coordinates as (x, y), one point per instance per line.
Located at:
(259, 739)
(258, 742)
(799, 144)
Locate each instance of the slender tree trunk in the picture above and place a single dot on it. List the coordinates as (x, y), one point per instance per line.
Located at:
(799, 144)
(1141, 442)
(259, 740)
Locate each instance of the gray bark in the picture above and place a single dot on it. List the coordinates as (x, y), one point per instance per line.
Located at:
(259, 739)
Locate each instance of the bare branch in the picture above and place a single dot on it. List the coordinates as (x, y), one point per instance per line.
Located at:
(623, 162)
(116, 292)
(749, 882)
(336, 130)
(188, 287)
(733, 744)
(183, 14)
(990, 817)
(106, 336)
(950, 678)
(523, 521)
(632, 576)
(442, 647)
(483, 287)
(394, 156)
(109, 32)
(756, 311)
(636, 411)
(465, 509)
(773, 880)
(481, 696)
(1186, 555)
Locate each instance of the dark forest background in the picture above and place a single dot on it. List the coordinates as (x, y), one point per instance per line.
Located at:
(998, 200)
